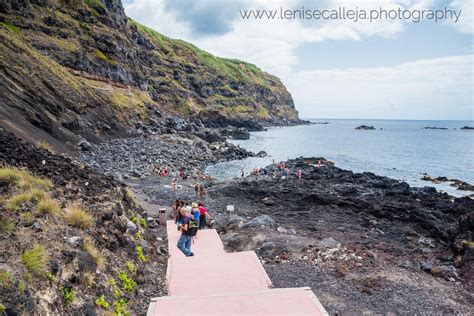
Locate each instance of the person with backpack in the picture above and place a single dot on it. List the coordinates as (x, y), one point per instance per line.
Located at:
(189, 228)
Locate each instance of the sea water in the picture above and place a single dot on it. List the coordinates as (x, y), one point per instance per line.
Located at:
(399, 149)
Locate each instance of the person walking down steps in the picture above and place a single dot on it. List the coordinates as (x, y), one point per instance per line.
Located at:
(189, 228)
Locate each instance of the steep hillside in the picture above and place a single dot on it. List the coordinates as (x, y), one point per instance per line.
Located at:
(78, 69)
(72, 241)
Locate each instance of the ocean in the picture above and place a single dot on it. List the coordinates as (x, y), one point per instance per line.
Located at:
(399, 149)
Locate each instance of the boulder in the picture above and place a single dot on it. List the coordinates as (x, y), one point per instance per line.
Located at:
(259, 221)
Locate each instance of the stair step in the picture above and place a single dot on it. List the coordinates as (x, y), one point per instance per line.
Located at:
(224, 273)
(291, 301)
(207, 243)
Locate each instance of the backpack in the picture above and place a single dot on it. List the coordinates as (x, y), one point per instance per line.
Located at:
(193, 228)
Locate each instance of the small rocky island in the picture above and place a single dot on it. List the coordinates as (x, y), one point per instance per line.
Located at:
(365, 127)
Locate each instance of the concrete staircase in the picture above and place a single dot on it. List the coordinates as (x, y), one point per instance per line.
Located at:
(214, 282)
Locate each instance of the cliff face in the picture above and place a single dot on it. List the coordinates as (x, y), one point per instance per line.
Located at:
(83, 69)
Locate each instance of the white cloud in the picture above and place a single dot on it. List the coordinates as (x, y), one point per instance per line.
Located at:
(466, 21)
(400, 91)
(439, 88)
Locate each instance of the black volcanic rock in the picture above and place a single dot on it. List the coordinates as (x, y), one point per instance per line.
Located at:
(365, 127)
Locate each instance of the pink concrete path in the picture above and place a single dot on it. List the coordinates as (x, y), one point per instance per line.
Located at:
(214, 282)
(208, 242)
(230, 273)
(294, 301)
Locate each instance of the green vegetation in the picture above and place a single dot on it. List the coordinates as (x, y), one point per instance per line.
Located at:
(23, 179)
(130, 267)
(120, 308)
(50, 276)
(68, 296)
(101, 56)
(95, 5)
(2, 308)
(143, 222)
(77, 217)
(139, 252)
(131, 197)
(11, 27)
(35, 259)
(6, 278)
(128, 285)
(48, 206)
(16, 201)
(94, 253)
(7, 225)
(101, 302)
(138, 234)
(21, 287)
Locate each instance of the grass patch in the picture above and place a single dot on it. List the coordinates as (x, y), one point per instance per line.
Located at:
(23, 179)
(96, 5)
(88, 279)
(35, 260)
(6, 278)
(99, 55)
(11, 27)
(45, 146)
(48, 206)
(94, 252)
(77, 217)
(16, 201)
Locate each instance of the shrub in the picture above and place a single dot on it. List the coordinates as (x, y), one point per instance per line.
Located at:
(101, 302)
(48, 206)
(139, 252)
(143, 222)
(77, 217)
(6, 278)
(68, 296)
(35, 259)
(128, 285)
(2, 308)
(94, 252)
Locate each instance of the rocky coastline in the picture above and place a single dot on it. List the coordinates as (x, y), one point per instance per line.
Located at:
(361, 241)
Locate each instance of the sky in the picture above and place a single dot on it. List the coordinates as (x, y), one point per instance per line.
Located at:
(336, 68)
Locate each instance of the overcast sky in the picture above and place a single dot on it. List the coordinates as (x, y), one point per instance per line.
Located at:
(339, 68)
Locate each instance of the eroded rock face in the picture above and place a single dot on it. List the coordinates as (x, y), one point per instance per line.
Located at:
(101, 75)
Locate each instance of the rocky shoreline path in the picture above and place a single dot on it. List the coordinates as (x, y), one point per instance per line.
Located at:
(363, 243)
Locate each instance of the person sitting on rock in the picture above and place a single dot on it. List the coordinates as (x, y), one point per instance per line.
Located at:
(184, 242)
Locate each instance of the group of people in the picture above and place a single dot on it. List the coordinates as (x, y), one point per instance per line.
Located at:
(189, 218)
(279, 170)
